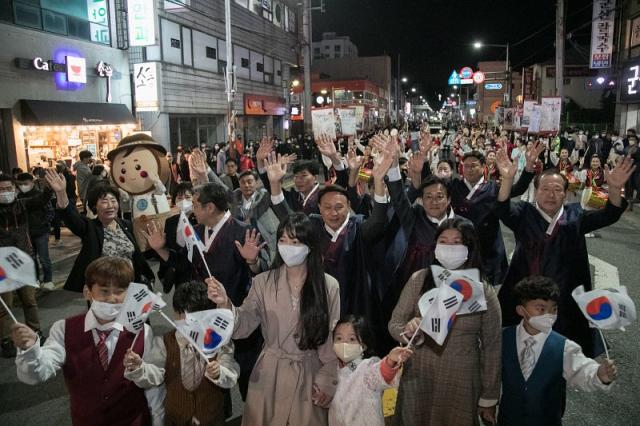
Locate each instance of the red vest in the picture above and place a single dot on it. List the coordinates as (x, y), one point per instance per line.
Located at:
(99, 397)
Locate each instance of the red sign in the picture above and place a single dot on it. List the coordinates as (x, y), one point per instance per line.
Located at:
(478, 77)
(466, 72)
(264, 105)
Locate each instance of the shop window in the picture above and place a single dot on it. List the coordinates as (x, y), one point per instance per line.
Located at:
(244, 62)
(28, 16)
(54, 22)
(175, 43)
(211, 53)
(75, 8)
(260, 67)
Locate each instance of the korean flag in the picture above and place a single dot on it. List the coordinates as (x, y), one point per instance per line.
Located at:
(438, 308)
(213, 328)
(608, 309)
(16, 270)
(138, 304)
(467, 282)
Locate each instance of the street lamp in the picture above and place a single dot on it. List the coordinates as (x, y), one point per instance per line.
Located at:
(413, 90)
(405, 79)
(479, 45)
(455, 87)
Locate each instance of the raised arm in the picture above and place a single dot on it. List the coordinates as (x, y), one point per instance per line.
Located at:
(76, 223)
(527, 175)
(508, 212)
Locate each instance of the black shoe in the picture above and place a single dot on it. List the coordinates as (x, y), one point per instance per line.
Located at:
(8, 349)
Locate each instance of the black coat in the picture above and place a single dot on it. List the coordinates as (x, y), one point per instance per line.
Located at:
(91, 232)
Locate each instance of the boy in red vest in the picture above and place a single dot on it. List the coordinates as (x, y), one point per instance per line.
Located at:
(194, 387)
(89, 349)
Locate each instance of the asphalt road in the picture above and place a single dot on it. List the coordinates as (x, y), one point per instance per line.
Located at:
(47, 404)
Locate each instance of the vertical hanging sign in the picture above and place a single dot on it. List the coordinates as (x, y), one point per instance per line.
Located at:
(602, 34)
(142, 22)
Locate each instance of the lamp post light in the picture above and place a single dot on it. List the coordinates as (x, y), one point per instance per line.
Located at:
(404, 79)
(480, 45)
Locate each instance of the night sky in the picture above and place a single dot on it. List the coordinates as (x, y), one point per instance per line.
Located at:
(434, 36)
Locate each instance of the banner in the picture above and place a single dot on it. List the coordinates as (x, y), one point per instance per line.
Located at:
(323, 122)
(527, 110)
(602, 34)
(138, 305)
(347, 121)
(550, 114)
(16, 270)
(534, 119)
(608, 309)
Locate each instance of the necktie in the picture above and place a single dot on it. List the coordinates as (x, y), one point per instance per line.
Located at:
(527, 359)
(192, 368)
(103, 352)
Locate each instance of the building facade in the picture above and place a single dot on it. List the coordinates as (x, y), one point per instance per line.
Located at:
(333, 46)
(65, 83)
(189, 61)
(628, 67)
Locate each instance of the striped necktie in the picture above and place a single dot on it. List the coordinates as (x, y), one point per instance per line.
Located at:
(192, 368)
(103, 352)
(528, 358)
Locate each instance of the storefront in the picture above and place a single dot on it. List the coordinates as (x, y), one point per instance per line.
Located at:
(263, 116)
(53, 131)
(60, 95)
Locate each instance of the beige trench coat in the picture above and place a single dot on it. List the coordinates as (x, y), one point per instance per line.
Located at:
(281, 383)
(443, 385)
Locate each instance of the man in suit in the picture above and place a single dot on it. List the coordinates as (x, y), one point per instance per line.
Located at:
(230, 177)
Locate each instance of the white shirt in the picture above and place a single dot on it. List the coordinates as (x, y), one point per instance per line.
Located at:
(208, 239)
(335, 234)
(229, 368)
(551, 220)
(246, 204)
(38, 364)
(578, 370)
(438, 222)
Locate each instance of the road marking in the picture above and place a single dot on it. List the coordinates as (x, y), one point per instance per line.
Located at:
(605, 275)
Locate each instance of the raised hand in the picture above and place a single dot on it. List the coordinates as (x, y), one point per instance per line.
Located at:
(276, 167)
(353, 160)
(533, 153)
(506, 167)
(425, 141)
(198, 162)
(620, 174)
(289, 158)
(327, 147)
(56, 181)
(251, 248)
(155, 235)
(398, 356)
(217, 293)
(416, 163)
(265, 148)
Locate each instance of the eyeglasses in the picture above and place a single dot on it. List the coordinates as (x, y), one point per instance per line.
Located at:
(435, 198)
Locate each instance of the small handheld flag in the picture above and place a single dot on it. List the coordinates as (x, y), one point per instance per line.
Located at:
(465, 281)
(210, 329)
(438, 308)
(607, 309)
(16, 271)
(139, 303)
(187, 234)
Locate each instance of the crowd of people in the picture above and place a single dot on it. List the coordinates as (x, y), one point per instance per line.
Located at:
(322, 249)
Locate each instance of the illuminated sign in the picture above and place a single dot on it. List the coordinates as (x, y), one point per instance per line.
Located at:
(466, 72)
(602, 33)
(478, 77)
(76, 70)
(630, 81)
(454, 78)
(145, 77)
(106, 71)
(492, 86)
(142, 23)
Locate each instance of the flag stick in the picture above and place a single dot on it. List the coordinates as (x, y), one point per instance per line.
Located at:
(189, 339)
(134, 339)
(604, 342)
(205, 262)
(6, 308)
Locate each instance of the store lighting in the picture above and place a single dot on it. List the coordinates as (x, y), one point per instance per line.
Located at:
(295, 83)
(600, 80)
(612, 83)
(323, 91)
(320, 100)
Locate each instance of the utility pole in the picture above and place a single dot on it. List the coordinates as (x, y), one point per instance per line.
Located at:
(398, 97)
(230, 78)
(560, 51)
(307, 37)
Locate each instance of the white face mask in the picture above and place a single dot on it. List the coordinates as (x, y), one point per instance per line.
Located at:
(186, 206)
(7, 197)
(451, 256)
(105, 311)
(347, 352)
(543, 323)
(293, 255)
(25, 188)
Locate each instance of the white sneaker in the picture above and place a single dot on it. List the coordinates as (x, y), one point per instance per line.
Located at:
(48, 286)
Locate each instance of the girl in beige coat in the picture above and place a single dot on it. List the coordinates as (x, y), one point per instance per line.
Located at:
(296, 306)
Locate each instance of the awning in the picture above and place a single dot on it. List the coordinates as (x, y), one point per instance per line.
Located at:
(52, 113)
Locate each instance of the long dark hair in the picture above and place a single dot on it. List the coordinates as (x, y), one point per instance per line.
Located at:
(469, 239)
(314, 304)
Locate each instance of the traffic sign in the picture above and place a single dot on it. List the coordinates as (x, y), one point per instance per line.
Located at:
(492, 86)
(454, 78)
(478, 77)
(466, 72)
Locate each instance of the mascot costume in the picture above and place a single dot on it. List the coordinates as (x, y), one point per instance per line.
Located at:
(139, 168)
